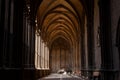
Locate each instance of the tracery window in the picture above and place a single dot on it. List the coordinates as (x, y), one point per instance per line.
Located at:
(41, 53)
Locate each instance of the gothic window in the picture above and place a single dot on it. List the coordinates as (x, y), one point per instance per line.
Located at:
(41, 53)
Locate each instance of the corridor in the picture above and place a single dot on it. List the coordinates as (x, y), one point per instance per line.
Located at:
(39, 38)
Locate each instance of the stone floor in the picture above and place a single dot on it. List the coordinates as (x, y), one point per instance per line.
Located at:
(56, 76)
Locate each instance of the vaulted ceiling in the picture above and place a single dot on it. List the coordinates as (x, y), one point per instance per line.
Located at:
(60, 19)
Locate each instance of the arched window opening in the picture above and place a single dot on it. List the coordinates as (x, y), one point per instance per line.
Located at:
(41, 51)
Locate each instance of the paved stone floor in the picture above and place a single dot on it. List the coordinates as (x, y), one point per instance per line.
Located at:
(56, 76)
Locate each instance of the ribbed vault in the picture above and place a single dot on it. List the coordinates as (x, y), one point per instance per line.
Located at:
(61, 20)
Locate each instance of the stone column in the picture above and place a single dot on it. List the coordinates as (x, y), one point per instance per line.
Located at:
(106, 40)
